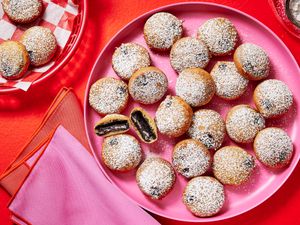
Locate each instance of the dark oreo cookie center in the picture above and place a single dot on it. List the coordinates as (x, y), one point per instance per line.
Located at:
(143, 126)
(113, 126)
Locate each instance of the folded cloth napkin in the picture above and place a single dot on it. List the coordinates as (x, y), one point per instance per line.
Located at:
(59, 182)
(64, 110)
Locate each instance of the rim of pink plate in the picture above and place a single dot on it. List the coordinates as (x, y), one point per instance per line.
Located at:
(147, 14)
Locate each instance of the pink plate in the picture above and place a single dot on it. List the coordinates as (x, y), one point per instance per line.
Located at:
(265, 182)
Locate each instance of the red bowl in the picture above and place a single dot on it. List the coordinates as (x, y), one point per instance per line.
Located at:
(67, 52)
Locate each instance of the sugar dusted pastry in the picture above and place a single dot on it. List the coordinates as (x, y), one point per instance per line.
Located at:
(14, 60)
(162, 30)
(23, 11)
(273, 147)
(189, 52)
(204, 196)
(219, 34)
(195, 86)
(272, 98)
(243, 123)
(232, 165)
(191, 158)
(252, 61)
(128, 58)
(108, 95)
(173, 116)
(121, 152)
(148, 85)
(208, 127)
(40, 43)
(230, 84)
(155, 177)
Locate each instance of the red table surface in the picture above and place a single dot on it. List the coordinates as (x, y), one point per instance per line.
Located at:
(20, 113)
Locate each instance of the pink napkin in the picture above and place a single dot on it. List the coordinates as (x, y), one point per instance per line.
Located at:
(65, 186)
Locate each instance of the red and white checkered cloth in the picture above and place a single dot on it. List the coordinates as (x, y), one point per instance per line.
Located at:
(59, 16)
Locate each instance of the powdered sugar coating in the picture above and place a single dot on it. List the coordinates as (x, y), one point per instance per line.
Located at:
(252, 61)
(173, 116)
(40, 44)
(230, 84)
(189, 52)
(22, 11)
(273, 147)
(273, 98)
(232, 165)
(121, 152)
(195, 86)
(148, 85)
(219, 34)
(155, 177)
(204, 196)
(14, 60)
(243, 123)
(191, 158)
(108, 95)
(208, 127)
(162, 30)
(128, 58)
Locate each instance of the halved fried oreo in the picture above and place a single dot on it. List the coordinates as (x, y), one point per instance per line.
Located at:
(144, 125)
(112, 124)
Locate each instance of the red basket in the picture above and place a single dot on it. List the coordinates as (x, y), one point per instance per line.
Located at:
(68, 51)
(278, 7)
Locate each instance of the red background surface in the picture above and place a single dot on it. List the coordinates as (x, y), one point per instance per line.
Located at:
(21, 113)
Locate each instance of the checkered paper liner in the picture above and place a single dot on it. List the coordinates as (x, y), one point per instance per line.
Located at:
(58, 16)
